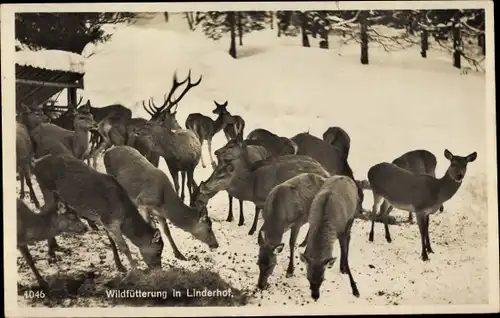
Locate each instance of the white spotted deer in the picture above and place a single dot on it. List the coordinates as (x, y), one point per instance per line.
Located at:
(331, 216)
(206, 128)
(100, 198)
(418, 193)
(155, 196)
(286, 208)
(53, 220)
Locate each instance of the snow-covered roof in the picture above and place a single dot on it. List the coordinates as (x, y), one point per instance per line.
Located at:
(54, 60)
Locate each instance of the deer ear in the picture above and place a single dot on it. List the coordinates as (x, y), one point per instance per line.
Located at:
(225, 104)
(303, 258)
(261, 238)
(447, 154)
(156, 237)
(472, 157)
(329, 262)
(278, 248)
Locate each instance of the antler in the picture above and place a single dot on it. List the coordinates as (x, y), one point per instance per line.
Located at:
(167, 102)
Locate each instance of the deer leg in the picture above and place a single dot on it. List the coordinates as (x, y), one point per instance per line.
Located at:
(22, 178)
(421, 227)
(441, 208)
(190, 182)
(212, 162)
(32, 191)
(377, 202)
(384, 211)
(163, 224)
(116, 234)
(183, 184)
(31, 263)
(345, 241)
(230, 212)
(116, 256)
(410, 217)
(427, 239)
(242, 217)
(294, 232)
(175, 177)
(255, 220)
(304, 243)
(91, 224)
(201, 156)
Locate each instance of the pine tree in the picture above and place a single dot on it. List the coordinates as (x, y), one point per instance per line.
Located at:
(65, 31)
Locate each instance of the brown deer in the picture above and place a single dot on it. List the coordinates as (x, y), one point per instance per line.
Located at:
(76, 141)
(274, 144)
(331, 215)
(152, 191)
(206, 128)
(24, 154)
(420, 162)
(99, 197)
(163, 135)
(286, 208)
(332, 158)
(418, 193)
(32, 227)
(235, 126)
(249, 181)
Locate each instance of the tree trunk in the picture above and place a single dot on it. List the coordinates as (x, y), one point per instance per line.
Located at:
(189, 18)
(240, 28)
(364, 38)
(457, 45)
(232, 26)
(481, 41)
(323, 43)
(303, 27)
(272, 21)
(424, 42)
(166, 16)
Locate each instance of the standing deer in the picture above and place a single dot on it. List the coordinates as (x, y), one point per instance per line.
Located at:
(206, 128)
(333, 158)
(99, 197)
(152, 191)
(331, 215)
(286, 208)
(253, 181)
(163, 135)
(418, 193)
(24, 154)
(420, 162)
(33, 227)
(255, 153)
(235, 127)
(76, 141)
(339, 138)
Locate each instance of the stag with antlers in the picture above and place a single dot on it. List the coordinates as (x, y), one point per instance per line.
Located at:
(164, 137)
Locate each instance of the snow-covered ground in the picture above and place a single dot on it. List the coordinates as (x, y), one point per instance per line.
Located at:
(399, 102)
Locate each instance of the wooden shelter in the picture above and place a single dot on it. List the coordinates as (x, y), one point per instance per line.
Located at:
(37, 82)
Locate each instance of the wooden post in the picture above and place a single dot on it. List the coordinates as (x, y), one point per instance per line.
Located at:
(424, 42)
(364, 37)
(457, 44)
(71, 97)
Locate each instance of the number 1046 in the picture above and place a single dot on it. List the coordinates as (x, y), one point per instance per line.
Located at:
(30, 294)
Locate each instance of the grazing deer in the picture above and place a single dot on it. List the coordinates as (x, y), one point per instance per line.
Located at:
(33, 227)
(249, 181)
(334, 159)
(152, 190)
(76, 141)
(286, 208)
(99, 197)
(163, 135)
(24, 154)
(420, 162)
(418, 193)
(206, 128)
(255, 153)
(331, 215)
(339, 138)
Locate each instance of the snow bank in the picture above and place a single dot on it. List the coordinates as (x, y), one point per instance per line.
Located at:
(55, 60)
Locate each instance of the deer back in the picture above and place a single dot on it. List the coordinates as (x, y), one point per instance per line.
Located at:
(418, 161)
(260, 133)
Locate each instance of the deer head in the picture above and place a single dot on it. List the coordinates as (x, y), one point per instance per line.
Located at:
(458, 165)
(220, 109)
(164, 113)
(32, 116)
(66, 219)
(267, 258)
(316, 272)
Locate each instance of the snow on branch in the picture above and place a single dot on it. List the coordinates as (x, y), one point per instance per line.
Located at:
(475, 62)
(55, 60)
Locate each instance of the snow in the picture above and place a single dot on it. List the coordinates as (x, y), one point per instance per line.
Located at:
(55, 60)
(397, 103)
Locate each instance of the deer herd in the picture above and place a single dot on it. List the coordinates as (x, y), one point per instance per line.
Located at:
(291, 181)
